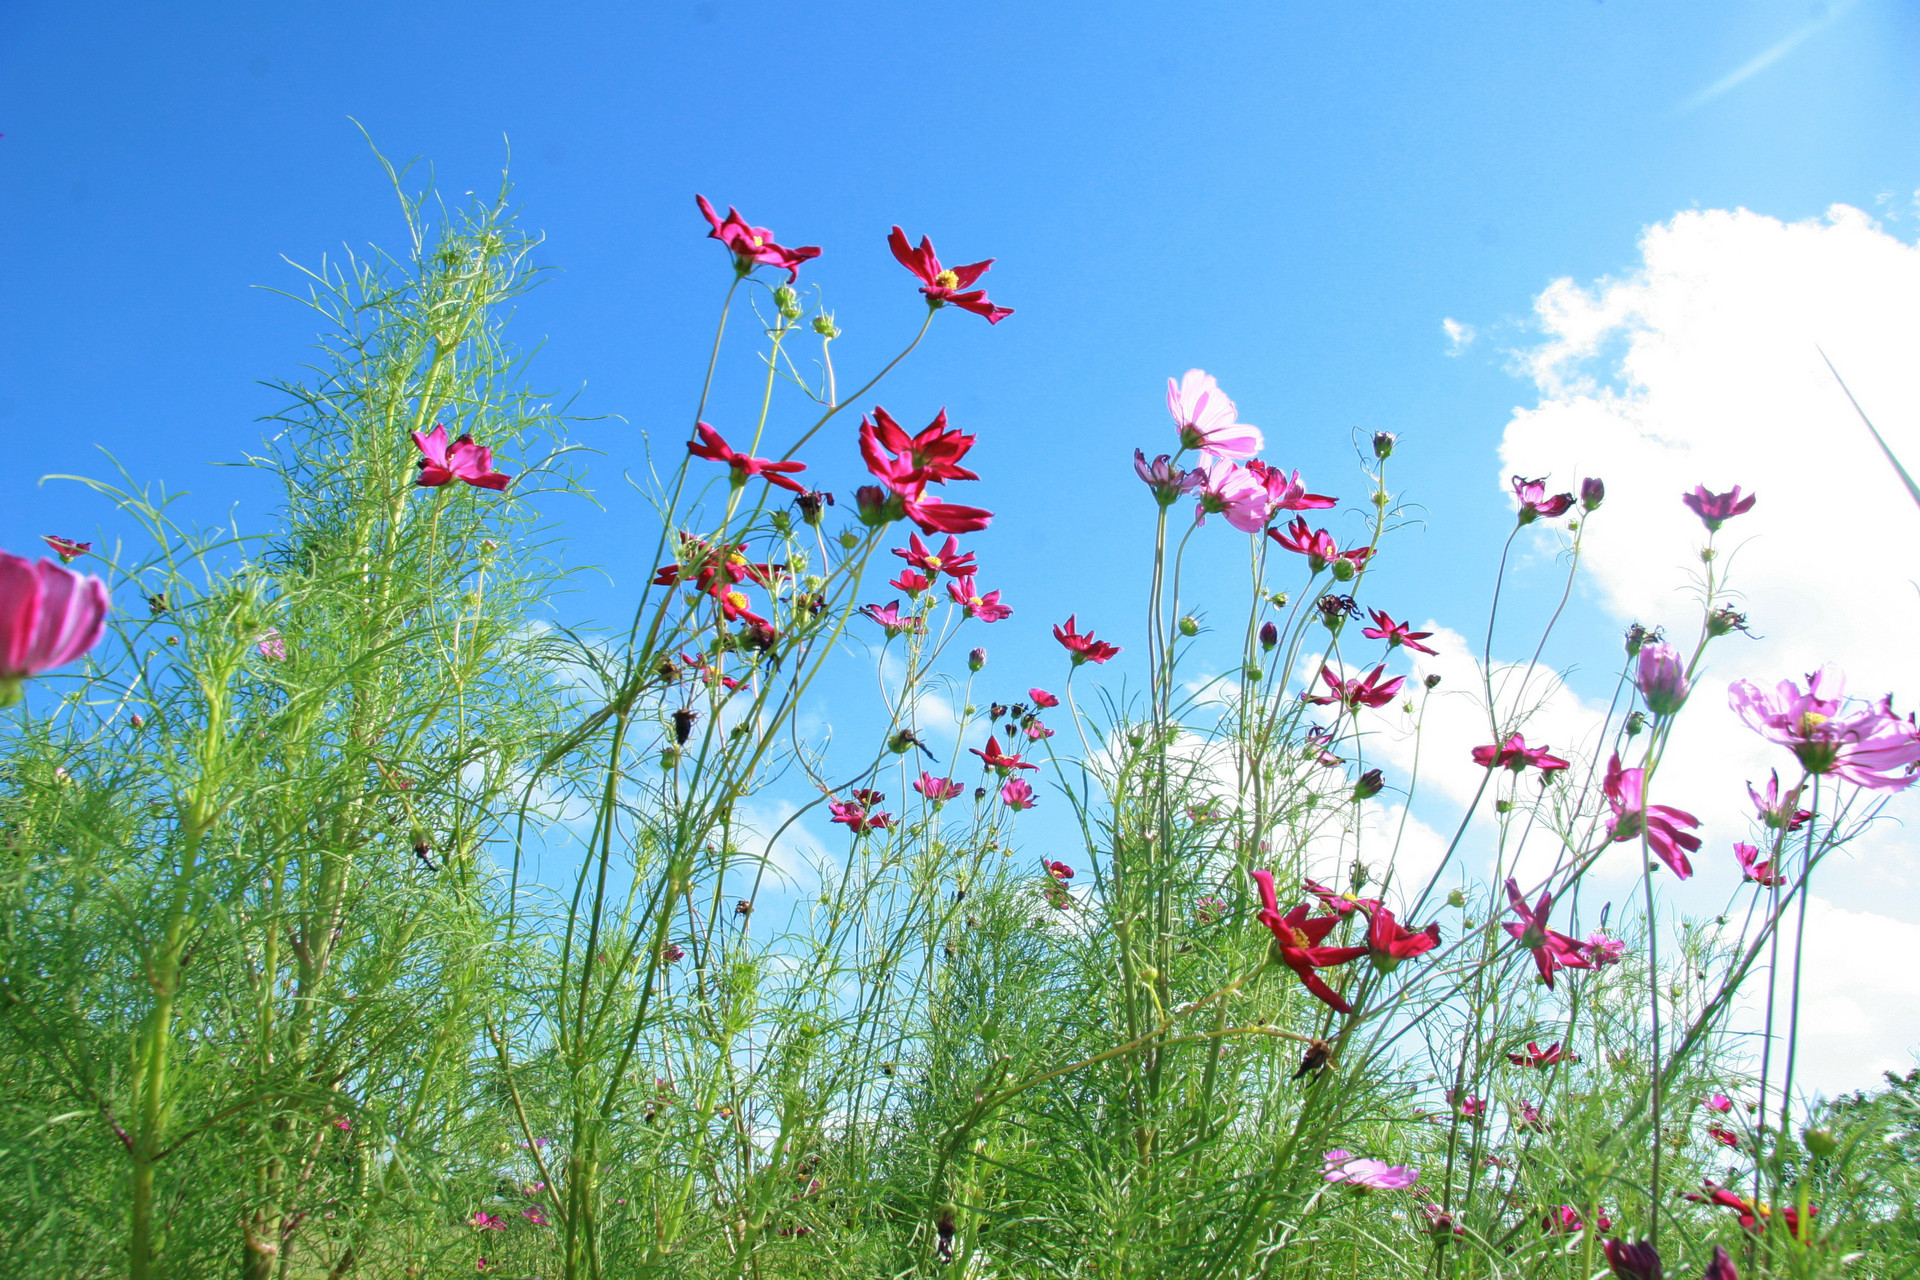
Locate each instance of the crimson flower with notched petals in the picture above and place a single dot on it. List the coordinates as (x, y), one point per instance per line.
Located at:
(1534, 502)
(1043, 699)
(1751, 1214)
(1776, 810)
(1357, 692)
(1725, 1137)
(1317, 545)
(1299, 942)
(907, 464)
(1551, 949)
(937, 789)
(1535, 1056)
(1753, 869)
(997, 760)
(1626, 793)
(1715, 509)
(753, 246)
(943, 286)
(713, 447)
(949, 560)
(1389, 942)
(986, 607)
(462, 460)
(1516, 755)
(1084, 648)
(1869, 745)
(1395, 633)
(1284, 490)
(854, 816)
(67, 549)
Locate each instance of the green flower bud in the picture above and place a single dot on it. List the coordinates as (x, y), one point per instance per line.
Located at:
(849, 540)
(976, 659)
(788, 301)
(1253, 673)
(1343, 569)
(1820, 1142)
(1457, 898)
(1189, 626)
(824, 326)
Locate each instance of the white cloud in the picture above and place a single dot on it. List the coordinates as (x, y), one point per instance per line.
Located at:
(1459, 336)
(1702, 366)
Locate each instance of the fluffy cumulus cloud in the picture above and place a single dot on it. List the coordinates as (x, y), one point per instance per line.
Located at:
(1703, 365)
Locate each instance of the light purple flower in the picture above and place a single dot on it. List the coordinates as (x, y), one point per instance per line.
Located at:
(1207, 420)
(1715, 509)
(272, 645)
(1602, 950)
(1374, 1175)
(1167, 481)
(1663, 679)
(1868, 746)
(1230, 491)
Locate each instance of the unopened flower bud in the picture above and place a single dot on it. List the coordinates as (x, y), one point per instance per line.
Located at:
(136, 721)
(976, 659)
(669, 759)
(782, 523)
(1433, 681)
(849, 540)
(1663, 679)
(1820, 1142)
(1721, 621)
(1707, 555)
(1592, 493)
(1343, 569)
(1635, 723)
(1253, 673)
(1457, 898)
(813, 504)
(1369, 785)
(1383, 442)
(1278, 599)
(877, 506)
(788, 301)
(1269, 635)
(1637, 636)
(824, 326)
(1189, 626)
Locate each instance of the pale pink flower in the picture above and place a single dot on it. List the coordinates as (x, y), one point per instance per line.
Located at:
(49, 616)
(1207, 420)
(272, 645)
(1869, 746)
(1367, 1173)
(1018, 795)
(1229, 491)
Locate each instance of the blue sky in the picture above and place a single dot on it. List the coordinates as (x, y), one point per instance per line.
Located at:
(1291, 196)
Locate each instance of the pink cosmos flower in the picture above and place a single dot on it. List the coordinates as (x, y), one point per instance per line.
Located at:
(949, 560)
(993, 758)
(753, 246)
(943, 285)
(1527, 1116)
(1037, 730)
(1300, 940)
(1715, 509)
(1868, 746)
(1229, 491)
(910, 581)
(1018, 795)
(272, 645)
(1720, 1102)
(1207, 420)
(1395, 633)
(1389, 942)
(65, 548)
(1751, 868)
(486, 1222)
(713, 447)
(889, 619)
(1469, 1107)
(537, 1215)
(1541, 1059)
(463, 460)
(937, 789)
(1551, 949)
(1602, 951)
(1567, 1219)
(1043, 699)
(1317, 545)
(1626, 793)
(1343, 903)
(1534, 502)
(854, 816)
(1663, 679)
(1284, 490)
(1516, 755)
(966, 593)
(1084, 648)
(1166, 480)
(1375, 1175)
(49, 616)
(1357, 692)
(1776, 810)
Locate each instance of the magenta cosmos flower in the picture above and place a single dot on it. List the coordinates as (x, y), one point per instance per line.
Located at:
(943, 286)
(1166, 480)
(992, 757)
(1534, 502)
(712, 446)
(949, 560)
(1395, 633)
(1776, 810)
(889, 618)
(49, 616)
(907, 464)
(1602, 950)
(1541, 1059)
(460, 460)
(753, 246)
(1207, 420)
(1359, 691)
(1300, 943)
(1715, 509)
(984, 606)
(1663, 678)
(1516, 755)
(1551, 949)
(1317, 545)
(1389, 942)
(1284, 490)
(66, 548)
(1043, 699)
(937, 789)
(1362, 1171)
(1661, 823)
(1752, 868)
(1084, 648)
(854, 816)
(1230, 491)
(1018, 795)
(1869, 746)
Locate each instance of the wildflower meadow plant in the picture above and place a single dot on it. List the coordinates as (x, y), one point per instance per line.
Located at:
(363, 920)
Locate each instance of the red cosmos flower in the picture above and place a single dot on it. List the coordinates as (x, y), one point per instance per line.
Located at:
(753, 246)
(1516, 755)
(1720, 1268)
(1084, 648)
(993, 758)
(1344, 903)
(1527, 1116)
(986, 607)
(66, 549)
(1626, 792)
(937, 789)
(1566, 1218)
(1058, 870)
(888, 617)
(1299, 941)
(1633, 1261)
(708, 567)
(1725, 1137)
(1551, 949)
(1043, 699)
(932, 456)
(1715, 509)
(868, 797)
(943, 285)
(1317, 545)
(1537, 1057)
(1751, 868)
(1535, 503)
(1358, 692)
(855, 817)
(1284, 491)
(463, 459)
(950, 560)
(713, 447)
(1389, 942)
(909, 581)
(1395, 633)
(1750, 1213)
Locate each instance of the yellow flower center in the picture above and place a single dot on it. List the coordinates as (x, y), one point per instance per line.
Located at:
(1300, 938)
(737, 599)
(757, 241)
(737, 560)
(1811, 720)
(947, 280)
(975, 601)
(933, 564)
